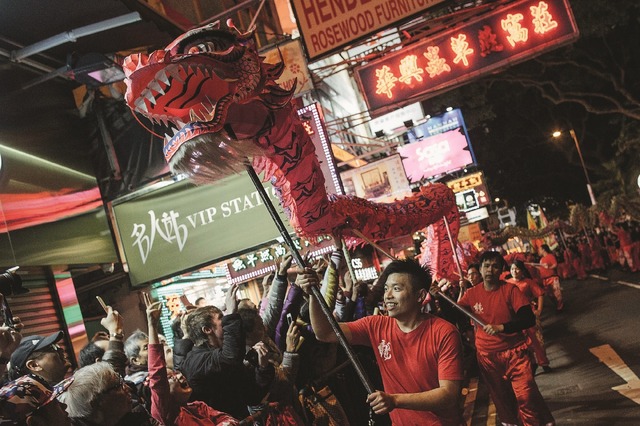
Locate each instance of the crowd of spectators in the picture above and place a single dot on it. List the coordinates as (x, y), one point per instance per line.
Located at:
(279, 362)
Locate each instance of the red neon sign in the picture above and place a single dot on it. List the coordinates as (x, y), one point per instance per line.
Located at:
(502, 37)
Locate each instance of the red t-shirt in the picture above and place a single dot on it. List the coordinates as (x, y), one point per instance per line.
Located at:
(413, 362)
(495, 307)
(529, 288)
(624, 237)
(548, 260)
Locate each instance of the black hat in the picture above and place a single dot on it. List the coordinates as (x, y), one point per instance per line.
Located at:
(27, 346)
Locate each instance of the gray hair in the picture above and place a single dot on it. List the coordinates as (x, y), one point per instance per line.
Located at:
(132, 344)
(88, 385)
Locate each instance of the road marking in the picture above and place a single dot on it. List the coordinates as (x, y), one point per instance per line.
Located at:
(628, 284)
(607, 355)
(470, 400)
(633, 285)
(600, 277)
(491, 414)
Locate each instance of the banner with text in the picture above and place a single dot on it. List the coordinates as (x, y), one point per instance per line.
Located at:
(503, 37)
(328, 25)
(436, 155)
(184, 226)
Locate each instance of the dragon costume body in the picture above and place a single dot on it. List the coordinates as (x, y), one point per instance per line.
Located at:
(222, 101)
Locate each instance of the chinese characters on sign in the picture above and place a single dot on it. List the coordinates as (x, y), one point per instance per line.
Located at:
(506, 35)
(263, 260)
(471, 192)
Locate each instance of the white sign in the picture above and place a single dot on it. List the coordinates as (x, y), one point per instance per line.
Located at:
(476, 215)
(328, 25)
(388, 123)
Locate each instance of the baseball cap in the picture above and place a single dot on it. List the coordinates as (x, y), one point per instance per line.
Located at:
(27, 346)
(21, 397)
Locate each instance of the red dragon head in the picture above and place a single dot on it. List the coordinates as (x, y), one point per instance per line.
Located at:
(213, 89)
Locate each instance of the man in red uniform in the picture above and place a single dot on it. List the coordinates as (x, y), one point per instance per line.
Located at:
(419, 355)
(549, 273)
(503, 358)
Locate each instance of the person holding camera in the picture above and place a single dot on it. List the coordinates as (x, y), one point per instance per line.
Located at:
(215, 368)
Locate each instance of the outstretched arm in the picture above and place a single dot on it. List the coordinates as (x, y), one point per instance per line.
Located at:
(161, 407)
(306, 280)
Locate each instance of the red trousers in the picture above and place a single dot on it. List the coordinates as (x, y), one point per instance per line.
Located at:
(536, 343)
(512, 387)
(553, 290)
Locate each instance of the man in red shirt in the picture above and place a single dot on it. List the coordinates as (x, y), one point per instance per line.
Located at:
(549, 273)
(503, 359)
(419, 355)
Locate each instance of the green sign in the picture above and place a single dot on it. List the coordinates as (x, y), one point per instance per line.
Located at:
(184, 226)
(81, 239)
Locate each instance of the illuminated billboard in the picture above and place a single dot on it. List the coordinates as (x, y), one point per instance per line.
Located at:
(505, 36)
(471, 192)
(382, 181)
(435, 155)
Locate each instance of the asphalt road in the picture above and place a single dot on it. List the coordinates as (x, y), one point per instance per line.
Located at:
(593, 346)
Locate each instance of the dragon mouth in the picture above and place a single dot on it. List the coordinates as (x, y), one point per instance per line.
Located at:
(161, 100)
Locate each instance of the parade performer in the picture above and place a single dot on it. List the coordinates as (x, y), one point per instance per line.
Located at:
(521, 278)
(501, 347)
(419, 355)
(549, 272)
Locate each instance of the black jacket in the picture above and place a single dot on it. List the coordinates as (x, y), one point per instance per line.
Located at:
(218, 376)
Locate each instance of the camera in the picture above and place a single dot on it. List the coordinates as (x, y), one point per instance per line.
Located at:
(252, 357)
(11, 283)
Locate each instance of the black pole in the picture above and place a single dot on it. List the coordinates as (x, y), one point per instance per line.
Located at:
(315, 290)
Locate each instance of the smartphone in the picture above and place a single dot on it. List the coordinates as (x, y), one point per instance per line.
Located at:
(104, 305)
(252, 357)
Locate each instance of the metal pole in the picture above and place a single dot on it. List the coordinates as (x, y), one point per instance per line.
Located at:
(453, 247)
(463, 310)
(368, 241)
(584, 168)
(315, 291)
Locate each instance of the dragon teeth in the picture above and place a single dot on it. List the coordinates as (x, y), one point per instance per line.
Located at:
(174, 72)
(149, 96)
(141, 105)
(162, 77)
(155, 86)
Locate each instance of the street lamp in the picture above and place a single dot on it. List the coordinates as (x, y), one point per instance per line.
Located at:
(557, 134)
